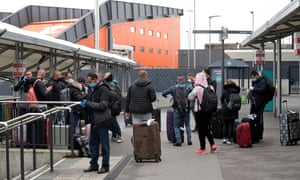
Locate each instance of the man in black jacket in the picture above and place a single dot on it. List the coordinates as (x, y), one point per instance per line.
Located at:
(97, 105)
(257, 91)
(139, 98)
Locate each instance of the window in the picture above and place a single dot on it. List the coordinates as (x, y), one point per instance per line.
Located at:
(132, 29)
(158, 51)
(151, 50)
(165, 36)
(166, 52)
(142, 31)
(150, 33)
(158, 34)
(142, 49)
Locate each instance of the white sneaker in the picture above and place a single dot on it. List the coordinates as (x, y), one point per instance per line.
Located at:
(119, 140)
(228, 142)
(224, 141)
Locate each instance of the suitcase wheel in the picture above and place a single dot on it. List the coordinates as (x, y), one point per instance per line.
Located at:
(137, 159)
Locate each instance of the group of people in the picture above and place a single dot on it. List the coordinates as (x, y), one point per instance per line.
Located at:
(94, 92)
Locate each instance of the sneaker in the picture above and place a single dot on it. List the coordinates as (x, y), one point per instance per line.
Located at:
(119, 140)
(213, 148)
(224, 141)
(201, 151)
(177, 144)
(228, 142)
(189, 143)
(114, 139)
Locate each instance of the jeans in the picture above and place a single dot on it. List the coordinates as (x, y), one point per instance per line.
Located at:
(138, 118)
(228, 129)
(99, 134)
(179, 116)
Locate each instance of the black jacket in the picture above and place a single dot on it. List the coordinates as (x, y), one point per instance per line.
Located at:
(140, 96)
(229, 89)
(257, 94)
(76, 94)
(97, 105)
(40, 89)
(57, 86)
(25, 84)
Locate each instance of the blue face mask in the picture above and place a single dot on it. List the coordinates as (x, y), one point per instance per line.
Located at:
(92, 85)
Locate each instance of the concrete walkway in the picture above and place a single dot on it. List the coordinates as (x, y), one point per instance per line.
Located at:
(267, 160)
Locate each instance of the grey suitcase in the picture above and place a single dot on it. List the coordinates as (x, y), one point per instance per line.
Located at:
(289, 126)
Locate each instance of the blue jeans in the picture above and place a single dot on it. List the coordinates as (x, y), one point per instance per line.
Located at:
(179, 116)
(98, 135)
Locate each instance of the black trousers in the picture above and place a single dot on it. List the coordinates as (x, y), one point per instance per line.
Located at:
(203, 120)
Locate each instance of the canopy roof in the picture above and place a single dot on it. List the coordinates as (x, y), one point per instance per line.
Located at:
(36, 46)
(282, 24)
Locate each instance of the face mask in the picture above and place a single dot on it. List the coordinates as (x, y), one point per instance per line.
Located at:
(92, 85)
(253, 79)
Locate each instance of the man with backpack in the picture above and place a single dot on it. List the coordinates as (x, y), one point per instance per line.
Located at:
(258, 102)
(115, 107)
(181, 108)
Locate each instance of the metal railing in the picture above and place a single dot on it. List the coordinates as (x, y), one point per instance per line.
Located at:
(18, 121)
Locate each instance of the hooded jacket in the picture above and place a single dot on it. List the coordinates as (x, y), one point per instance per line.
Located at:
(229, 89)
(197, 93)
(140, 96)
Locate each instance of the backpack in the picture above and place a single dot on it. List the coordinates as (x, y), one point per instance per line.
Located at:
(235, 102)
(209, 100)
(270, 90)
(31, 96)
(180, 98)
(116, 101)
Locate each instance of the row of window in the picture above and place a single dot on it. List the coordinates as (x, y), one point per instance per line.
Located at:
(150, 32)
(150, 50)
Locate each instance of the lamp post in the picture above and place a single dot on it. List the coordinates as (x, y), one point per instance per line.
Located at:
(188, 50)
(209, 44)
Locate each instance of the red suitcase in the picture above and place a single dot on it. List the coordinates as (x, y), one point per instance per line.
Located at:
(243, 135)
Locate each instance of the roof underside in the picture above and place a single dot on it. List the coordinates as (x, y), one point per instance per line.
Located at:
(283, 24)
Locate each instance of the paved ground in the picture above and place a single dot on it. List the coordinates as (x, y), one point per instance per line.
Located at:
(265, 161)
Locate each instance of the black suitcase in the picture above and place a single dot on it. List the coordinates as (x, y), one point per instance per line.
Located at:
(156, 115)
(289, 126)
(217, 124)
(81, 143)
(255, 128)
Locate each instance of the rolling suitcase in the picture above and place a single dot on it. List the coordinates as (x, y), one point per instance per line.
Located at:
(156, 115)
(255, 127)
(146, 142)
(243, 135)
(170, 128)
(289, 126)
(217, 124)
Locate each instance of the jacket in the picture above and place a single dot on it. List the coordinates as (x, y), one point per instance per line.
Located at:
(172, 91)
(227, 90)
(140, 96)
(258, 92)
(97, 104)
(76, 94)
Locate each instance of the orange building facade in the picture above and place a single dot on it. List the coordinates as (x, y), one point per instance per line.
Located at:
(155, 42)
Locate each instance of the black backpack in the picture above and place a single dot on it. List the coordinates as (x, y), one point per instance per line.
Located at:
(235, 102)
(181, 100)
(270, 90)
(116, 102)
(209, 100)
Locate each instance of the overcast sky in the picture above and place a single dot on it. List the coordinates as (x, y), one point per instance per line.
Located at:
(234, 14)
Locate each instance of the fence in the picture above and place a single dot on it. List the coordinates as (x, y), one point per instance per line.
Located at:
(37, 128)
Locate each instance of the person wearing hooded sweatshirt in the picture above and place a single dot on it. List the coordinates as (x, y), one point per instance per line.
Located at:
(140, 96)
(202, 117)
(228, 115)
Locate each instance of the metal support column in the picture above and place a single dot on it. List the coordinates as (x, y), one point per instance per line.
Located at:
(279, 92)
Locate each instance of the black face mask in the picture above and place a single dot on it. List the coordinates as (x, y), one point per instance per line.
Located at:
(109, 78)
